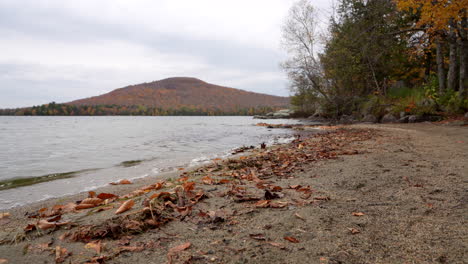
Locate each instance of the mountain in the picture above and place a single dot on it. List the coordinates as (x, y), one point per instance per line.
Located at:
(174, 93)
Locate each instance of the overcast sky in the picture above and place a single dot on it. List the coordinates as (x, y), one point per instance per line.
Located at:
(64, 50)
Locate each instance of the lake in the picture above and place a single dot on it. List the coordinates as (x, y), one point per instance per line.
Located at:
(45, 157)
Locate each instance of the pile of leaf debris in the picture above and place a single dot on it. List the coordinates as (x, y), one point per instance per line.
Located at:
(247, 180)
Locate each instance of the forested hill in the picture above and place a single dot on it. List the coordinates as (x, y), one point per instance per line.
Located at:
(184, 92)
(172, 96)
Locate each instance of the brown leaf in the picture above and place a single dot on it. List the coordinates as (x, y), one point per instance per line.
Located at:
(105, 196)
(258, 236)
(278, 204)
(299, 216)
(281, 246)
(177, 249)
(207, 180)
(96, 245)
(276, 189)
(358, 213)
(125, 181)
(91, 194)
(125, 207)
(29, 227)
(94, 201)
(354, 231)
(291, 239)
(4, 215)
(262, 204)
(44, 224)
(84, 206)
(61, 254)
(3, 261)
(188, 186)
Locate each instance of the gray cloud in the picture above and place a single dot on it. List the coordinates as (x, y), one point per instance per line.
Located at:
(59, 52)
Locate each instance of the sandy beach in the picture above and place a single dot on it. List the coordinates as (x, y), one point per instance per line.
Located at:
(392, 193)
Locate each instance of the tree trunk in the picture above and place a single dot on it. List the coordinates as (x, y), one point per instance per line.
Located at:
(440, 66)
(463, 48)
(452, 72)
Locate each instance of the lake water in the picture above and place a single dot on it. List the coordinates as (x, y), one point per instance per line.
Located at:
(56, 156)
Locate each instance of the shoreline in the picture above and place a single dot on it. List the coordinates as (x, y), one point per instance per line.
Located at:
(365, 194)
(136, 182)
(11, 199)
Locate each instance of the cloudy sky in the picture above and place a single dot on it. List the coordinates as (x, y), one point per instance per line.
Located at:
(61, 50)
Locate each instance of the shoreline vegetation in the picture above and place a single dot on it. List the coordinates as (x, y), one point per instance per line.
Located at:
(352, 194)
(54, 109)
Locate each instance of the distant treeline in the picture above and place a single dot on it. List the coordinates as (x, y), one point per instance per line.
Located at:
(54, 109)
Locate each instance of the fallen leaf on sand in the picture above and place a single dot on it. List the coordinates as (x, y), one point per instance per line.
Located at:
(4, 215)
(44, 224)
(277, 204)
(91, 194)
(125, 207)
(84, 206)
(258, 236)
(2, 261)
(207, 180)
(354, 231)
(125, 181)
(177, 249)
(94, 201)
(96, 245)
(291, 239)
(358, 213)
(262, 204)
(29, 227)
(61, 254)
(299, 216)
(277, 245)
(105, 196)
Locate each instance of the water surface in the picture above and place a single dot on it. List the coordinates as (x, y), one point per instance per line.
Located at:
(56, 156)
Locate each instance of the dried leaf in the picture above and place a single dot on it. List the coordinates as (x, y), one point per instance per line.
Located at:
(84, 206)
(358, 213)
(4, 215)
(94, 201)
(281, 246)
(278, 204)
(354, 231)
(189, 186)
(262, 204)
(258, 236)
(207, 180)
(125, 207)
(177, 249)
(96, 245)
(29, 227)
(299, 216)
(61, 254)
(91, 194)
(276, 189)
(3, 261)
(105, 196)
(125, 181)
(44, 224)
(291, 239)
